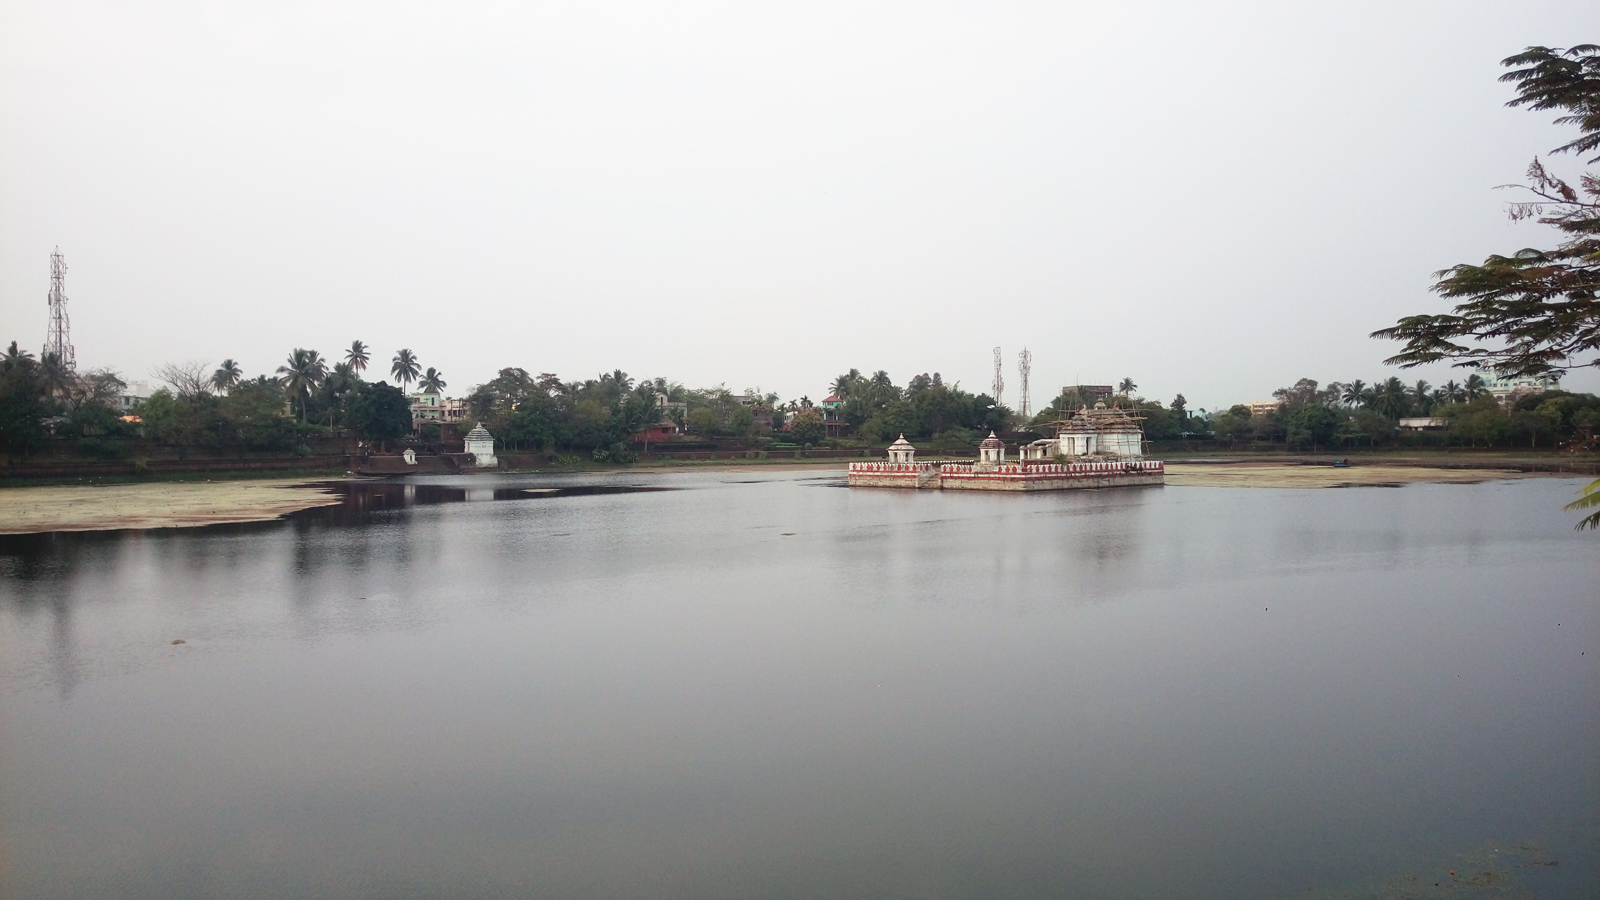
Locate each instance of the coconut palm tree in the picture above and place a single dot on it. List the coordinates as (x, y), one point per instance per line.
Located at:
(1421, 396)
(844, 383)
(1453, 393)
(405, 368)
(15, 356)
(1391, 398)
(357, 356)
(1355, 393)
(1127, 387)
(432, 381)
(302, 373)
(58, 376)
(340, 386)
(1475, 387)
(227, 375)
(341, 380)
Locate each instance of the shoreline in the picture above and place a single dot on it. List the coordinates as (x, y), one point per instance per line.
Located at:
(120, 507)
(188, 504)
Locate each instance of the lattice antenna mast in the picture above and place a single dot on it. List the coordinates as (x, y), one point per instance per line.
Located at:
(999, 381)
(1024, 366)
(58, 340)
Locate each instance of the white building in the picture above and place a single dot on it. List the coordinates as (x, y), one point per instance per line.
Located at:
(434, 407)
(133, 394)
(1098, 432)
(480, 443)
(1507, 391)
(991, 454)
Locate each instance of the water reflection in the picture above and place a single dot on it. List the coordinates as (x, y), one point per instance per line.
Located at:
(573, 687)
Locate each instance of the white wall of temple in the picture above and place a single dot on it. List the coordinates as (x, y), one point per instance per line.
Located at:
(482, 452)
(1122, 443)
(1077, 444)
(1107, 443)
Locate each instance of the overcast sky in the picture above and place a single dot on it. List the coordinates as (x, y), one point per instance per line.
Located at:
(1213, 198)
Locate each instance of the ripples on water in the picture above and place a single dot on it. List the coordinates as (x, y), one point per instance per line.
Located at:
(759, 686)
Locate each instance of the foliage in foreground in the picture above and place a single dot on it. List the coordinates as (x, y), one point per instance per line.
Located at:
(1589, 500)
(1532, 312)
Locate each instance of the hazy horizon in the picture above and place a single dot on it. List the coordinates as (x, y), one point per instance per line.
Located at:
(1212, 200)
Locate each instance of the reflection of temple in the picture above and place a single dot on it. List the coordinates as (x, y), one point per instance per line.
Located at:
(1098, 447)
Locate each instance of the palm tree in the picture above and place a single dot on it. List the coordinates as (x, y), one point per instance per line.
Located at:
(432, 381)
(1422, 394)
(304, 371)
(15, 356)
(58, 376)
(405, 368)
(1475, 387)
(1127, 387)
(340, 386)
(341, 380)
(1453, 393)
(1390, 398)
(1355, 393)
(357, 357)
(841, 386)
(227, 375)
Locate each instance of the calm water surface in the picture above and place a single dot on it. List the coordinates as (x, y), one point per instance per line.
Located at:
(765, 685)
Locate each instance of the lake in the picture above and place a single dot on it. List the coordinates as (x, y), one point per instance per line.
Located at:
(763, 684)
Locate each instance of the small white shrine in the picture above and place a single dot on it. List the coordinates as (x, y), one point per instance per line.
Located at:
(480, 443)
(991, 454)
(410, 456)
(902, 452)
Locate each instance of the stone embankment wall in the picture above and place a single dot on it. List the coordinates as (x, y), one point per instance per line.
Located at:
(896, 475)
(59, 469)
(1008, 477)
(989, 482)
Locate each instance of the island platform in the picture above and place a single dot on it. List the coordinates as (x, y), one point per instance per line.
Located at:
(1096, 448)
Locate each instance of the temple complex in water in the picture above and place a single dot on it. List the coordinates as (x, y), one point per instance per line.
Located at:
(1097, 447)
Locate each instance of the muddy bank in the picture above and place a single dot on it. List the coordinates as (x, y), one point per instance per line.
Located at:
(33, 510)
(1268, 475)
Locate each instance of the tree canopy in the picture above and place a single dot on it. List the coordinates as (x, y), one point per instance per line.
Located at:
(1532, 312)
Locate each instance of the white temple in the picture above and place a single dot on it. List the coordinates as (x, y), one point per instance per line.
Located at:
(1105, 451)
(480, 443)
(991, 454)
(1098, 432)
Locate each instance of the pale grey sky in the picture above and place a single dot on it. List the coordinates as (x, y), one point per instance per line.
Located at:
(1214, 198)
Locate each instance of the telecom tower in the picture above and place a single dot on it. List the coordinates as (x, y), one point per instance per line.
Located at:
(999, 382)
(1024, 365)
(58, 340)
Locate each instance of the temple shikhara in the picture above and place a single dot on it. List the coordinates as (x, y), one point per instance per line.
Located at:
(1099, 447)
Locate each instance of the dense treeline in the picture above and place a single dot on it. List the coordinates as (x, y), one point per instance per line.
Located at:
(602, 417)
(1355, 414)
(926, 408)
(38, 396)
(214, 411)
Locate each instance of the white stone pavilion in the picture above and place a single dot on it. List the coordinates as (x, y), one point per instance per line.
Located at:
(480, 443)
